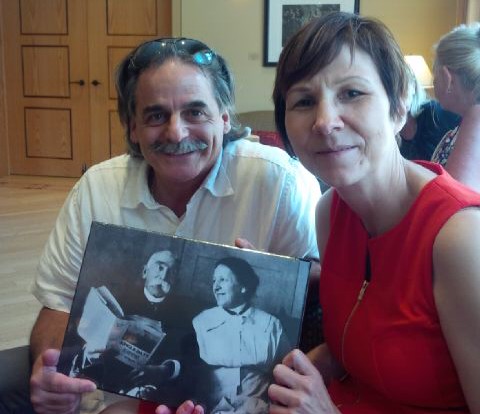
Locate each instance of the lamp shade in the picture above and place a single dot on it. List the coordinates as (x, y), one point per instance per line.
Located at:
(420, 69)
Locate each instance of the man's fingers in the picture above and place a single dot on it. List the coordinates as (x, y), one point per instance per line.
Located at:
(53, 392)
(62, 384)
(60, 403)
(48, 402)
(244, 244)
(50, 359)
(54, 382)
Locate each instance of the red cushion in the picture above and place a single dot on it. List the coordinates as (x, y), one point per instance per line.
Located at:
(270, 138)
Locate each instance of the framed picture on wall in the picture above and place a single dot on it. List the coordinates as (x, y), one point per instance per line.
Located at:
(284, 17)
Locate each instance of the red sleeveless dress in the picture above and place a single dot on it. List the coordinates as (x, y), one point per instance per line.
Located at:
(391, 341)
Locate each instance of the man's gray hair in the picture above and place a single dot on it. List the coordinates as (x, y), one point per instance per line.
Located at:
(217, 71)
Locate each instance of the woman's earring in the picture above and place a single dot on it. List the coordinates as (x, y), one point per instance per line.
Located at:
(449, 90)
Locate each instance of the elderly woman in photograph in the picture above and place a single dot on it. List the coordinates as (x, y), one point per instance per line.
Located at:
(239, 342)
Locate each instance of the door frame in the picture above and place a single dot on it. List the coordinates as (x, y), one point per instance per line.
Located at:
(4, 158)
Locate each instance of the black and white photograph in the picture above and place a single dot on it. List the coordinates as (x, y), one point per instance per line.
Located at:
(283, 18)
(165, 319)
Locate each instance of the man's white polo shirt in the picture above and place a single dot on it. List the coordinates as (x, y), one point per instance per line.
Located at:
(253, 191)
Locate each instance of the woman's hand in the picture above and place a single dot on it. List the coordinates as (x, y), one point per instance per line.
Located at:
(188, 407)
(299, 388)
(133, 406)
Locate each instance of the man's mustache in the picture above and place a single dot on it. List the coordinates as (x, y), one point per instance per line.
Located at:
(163, 285)
(183, 147)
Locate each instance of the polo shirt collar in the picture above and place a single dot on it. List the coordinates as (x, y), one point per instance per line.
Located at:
(217, 181)
(136, 190)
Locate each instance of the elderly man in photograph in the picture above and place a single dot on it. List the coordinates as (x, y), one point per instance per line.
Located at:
(155, 304)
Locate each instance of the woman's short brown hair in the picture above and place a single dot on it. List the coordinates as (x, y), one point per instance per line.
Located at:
(318, 43)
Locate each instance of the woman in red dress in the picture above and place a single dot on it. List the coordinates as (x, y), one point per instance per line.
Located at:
(400, 281)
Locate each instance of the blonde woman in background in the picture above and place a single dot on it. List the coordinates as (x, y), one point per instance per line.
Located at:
(457, 88)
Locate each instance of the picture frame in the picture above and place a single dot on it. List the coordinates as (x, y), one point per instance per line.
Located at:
(164, 318)
(284, 17)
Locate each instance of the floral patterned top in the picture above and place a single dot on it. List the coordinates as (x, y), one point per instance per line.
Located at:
(445, 147)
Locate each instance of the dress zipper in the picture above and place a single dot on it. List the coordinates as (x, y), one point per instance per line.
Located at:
(361, 294)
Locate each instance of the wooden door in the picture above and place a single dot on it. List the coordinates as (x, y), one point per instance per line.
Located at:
(114, 28)
(46, 71)
(59, 66)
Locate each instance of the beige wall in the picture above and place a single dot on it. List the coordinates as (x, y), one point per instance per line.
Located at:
(416, 24)
(235, 29)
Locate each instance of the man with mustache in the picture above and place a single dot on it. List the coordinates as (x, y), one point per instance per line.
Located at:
(188, 172)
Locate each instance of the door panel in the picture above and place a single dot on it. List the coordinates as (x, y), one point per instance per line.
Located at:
(43, 17)
(131, 17)
(41, 125)
(40, 77)
(47, 112)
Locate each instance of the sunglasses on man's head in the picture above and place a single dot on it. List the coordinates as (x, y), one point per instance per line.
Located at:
(201, 54)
